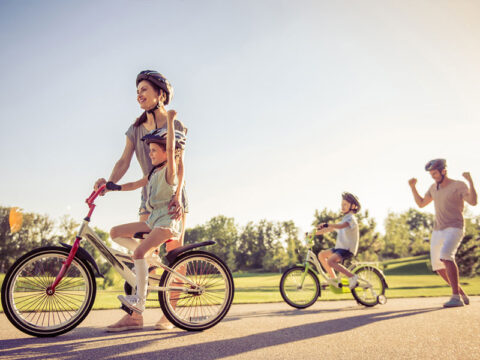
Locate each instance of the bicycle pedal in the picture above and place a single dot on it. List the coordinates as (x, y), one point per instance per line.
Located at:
(126, 309)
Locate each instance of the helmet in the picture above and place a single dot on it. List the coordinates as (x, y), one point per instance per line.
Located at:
(158, 80)
(353, 200)
(159, 136)
(436, 164)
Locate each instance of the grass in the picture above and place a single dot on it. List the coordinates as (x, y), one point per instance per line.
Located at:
(406, 277)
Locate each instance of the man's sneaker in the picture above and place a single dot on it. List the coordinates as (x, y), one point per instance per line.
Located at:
(453, 302)
(132, 302)
(353, 282)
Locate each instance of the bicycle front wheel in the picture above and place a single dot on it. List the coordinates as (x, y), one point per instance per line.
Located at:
(371, 285)
(299, 289)
(200, 306)
(31, 309)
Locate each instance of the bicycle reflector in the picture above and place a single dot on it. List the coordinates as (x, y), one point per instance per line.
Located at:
(15, 219)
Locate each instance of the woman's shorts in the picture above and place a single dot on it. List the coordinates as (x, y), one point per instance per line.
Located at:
(444, 245)
(345, 254)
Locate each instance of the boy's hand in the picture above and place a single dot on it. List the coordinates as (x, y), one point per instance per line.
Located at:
(467, 176)
(172, 114)
(412, 182)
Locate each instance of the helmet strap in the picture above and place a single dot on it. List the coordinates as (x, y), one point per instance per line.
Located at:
(438, 183)
(155, 168)
(152, 112)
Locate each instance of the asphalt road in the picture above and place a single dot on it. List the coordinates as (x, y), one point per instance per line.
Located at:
(416, 328)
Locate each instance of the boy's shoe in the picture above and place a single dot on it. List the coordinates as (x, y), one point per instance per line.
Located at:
(333, 282)
(133, 302)
(353, 282)
(126, 323)
(454, 301)
(466, 300)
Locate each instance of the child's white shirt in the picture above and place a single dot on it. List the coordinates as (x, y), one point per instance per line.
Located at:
(347, 238)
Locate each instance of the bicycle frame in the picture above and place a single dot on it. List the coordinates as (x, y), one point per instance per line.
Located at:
(312, 262)
(117, 259)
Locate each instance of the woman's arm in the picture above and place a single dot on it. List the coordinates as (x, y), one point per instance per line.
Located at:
(121, 166)
(171, 165)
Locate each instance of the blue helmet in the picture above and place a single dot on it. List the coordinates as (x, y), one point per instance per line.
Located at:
(159, 136)
(158, 80)
(436, 164)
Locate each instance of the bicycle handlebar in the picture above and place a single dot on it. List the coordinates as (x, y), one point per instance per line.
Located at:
(112, 186)
(95, 194)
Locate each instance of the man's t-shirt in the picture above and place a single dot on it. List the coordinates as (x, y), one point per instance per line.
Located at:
(449, 204)
(347, 238)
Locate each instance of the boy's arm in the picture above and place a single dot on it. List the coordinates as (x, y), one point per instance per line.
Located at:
(471, 197)
(331, 227)
(171, 165)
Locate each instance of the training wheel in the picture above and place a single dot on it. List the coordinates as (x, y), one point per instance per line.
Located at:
(382, 299)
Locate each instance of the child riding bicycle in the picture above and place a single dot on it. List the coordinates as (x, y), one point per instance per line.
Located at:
(347, 241)
(161, 184)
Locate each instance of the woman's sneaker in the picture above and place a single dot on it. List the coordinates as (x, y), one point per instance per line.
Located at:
(454, 301)
(126, 323)
(353, 282)
(133, 302)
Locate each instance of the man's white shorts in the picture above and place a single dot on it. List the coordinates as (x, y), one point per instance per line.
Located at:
(444, 245)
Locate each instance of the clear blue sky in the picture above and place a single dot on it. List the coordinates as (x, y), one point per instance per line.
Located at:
(288, 103)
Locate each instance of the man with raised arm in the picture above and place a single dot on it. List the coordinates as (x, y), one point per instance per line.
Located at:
(448, 196)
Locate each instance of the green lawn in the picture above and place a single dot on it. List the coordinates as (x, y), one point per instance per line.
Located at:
(407, 277)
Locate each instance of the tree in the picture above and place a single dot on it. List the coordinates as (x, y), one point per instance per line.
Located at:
(223, 231)
(405, 233)
(468, 253)
(37, 230)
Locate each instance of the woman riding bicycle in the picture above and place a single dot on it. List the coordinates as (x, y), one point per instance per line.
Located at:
(153, 93)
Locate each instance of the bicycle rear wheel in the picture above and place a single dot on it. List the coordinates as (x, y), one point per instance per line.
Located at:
(371, 285)
(297, 292)
(201, 306)
(26, 302)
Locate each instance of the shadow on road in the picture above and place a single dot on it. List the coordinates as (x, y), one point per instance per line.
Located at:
(70, 345)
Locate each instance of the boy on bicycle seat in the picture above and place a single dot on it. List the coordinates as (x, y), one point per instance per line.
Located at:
(161, 184)
(347, 241)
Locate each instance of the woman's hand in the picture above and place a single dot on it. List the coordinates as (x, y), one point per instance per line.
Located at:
(99, 183)
(175, 209)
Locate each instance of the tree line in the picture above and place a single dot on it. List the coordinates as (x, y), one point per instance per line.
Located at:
(260, 246)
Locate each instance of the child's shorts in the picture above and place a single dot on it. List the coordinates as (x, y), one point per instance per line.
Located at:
(345, 254)
(444, 245)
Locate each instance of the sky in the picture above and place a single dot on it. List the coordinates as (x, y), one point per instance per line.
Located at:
(288, 103)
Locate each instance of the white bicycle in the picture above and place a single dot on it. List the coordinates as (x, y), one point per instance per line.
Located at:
(300, 286)
(50, 290)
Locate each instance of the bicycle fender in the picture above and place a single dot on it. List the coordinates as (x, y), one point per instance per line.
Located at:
(380, 271)
(172, 255)
(82, 254)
